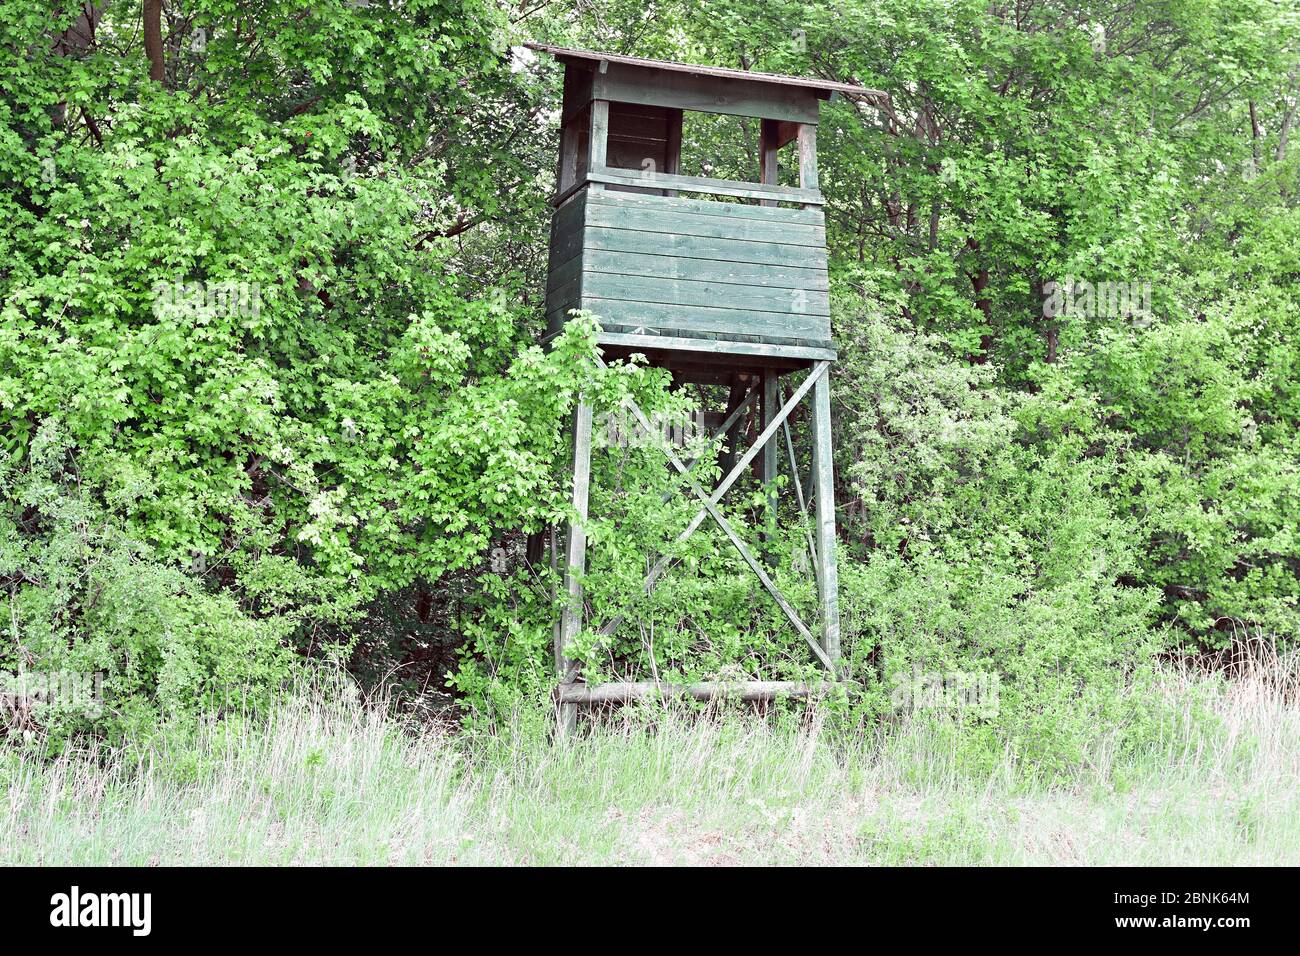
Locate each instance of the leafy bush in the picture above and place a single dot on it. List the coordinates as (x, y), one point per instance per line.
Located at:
(145, 641)
(1208, 469)
(985, 557)
(282, 390)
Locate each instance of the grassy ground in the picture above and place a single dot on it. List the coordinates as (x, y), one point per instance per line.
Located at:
(335, 783)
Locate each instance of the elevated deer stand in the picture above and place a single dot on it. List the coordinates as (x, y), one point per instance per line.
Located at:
(716, 292)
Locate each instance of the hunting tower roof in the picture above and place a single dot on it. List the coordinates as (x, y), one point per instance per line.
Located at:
(823, 88)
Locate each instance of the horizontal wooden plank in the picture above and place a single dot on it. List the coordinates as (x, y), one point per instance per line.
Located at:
(702, 184)
(702, 247)
(677, 318)
(710, 207)
(565, 247)
(708, 94)
(632, 190)
(568, 219)
(565, 272)
(625, 152)
(567, 237)
(660, 335)
(646, 218)
(633, 157)
(636, 109)
(570, 212)
(641, 288)
(706, 270)
(719, 347)
(705, 351)
(628, 691)
(590, 59)
(565, 292)
(648, 123)
(557, 316)
(561, 279)
(555, 319)
(566, 196)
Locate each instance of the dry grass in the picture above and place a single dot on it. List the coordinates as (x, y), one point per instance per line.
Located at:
(332, 782)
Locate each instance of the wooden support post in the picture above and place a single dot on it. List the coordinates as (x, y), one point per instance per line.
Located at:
(536, 545)
(553, 545)
(734, 400)
(673, 148)
(598, 141)
(570, 138)
(798, 488)
(770, 406)
(575, 556)
(768, 143)
(808, 157)
(827, 576)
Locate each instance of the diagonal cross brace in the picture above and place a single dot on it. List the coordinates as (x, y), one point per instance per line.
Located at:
(737, 470)
(710, 509)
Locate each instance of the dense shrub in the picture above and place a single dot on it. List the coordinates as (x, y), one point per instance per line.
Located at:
(984, 555)
(281, 390)
(103, 634)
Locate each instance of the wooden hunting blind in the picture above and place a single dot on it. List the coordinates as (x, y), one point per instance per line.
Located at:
(730, 288)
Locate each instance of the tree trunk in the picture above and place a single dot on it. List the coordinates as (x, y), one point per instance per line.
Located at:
(1288, 117)
(74, 42)
(979, 280)
(153, 42)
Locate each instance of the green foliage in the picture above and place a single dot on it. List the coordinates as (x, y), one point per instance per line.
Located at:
(986, 558)
(144, 642)
(708, 616)
(269, 386)
(238, 295)
(1216, 496)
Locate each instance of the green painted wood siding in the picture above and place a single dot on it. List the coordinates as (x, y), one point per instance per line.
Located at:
(685, 267)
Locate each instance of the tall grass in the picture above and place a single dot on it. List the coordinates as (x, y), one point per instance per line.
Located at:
(328, 780)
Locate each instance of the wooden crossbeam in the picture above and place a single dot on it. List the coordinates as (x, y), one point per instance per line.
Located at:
(575, 549)
(599, 173)
(768, 468)
(720, 430)
(621, 692)
(739, 391)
